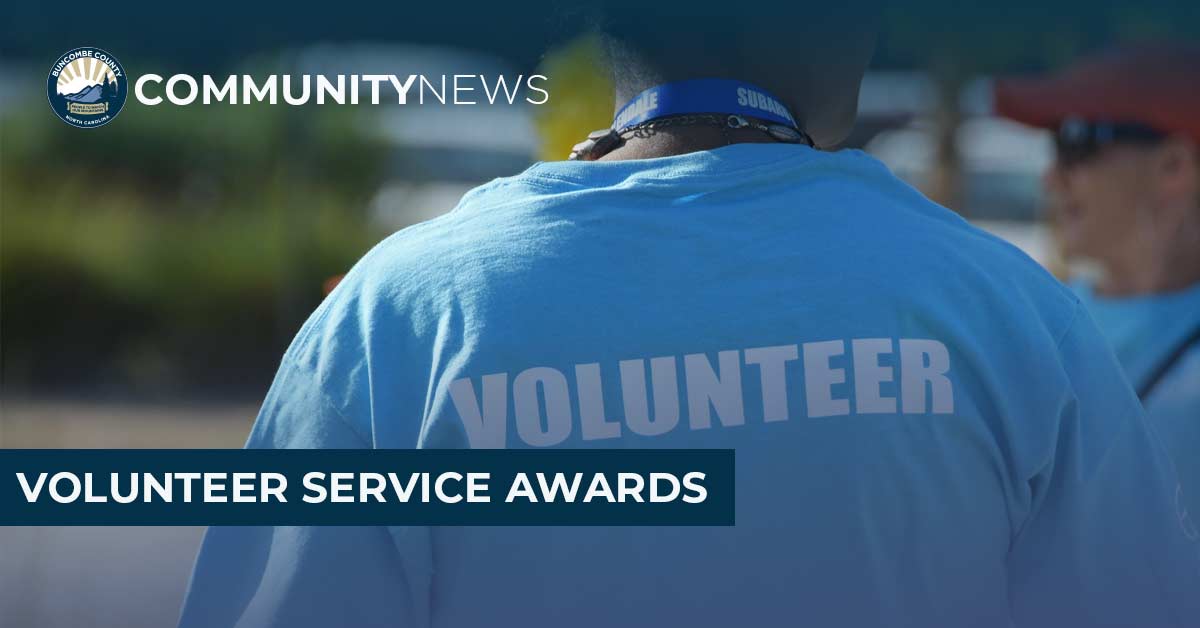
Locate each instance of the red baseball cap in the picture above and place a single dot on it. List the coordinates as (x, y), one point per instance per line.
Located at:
(1155, 85)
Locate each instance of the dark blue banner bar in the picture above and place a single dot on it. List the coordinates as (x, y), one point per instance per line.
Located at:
(366, 487)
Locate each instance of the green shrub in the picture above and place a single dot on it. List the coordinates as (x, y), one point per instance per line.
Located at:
(176, 249)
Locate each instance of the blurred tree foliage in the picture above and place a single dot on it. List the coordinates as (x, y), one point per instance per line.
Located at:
(176, 254)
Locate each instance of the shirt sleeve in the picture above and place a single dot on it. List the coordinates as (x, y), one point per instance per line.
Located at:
(289, 576)
(1106, 542)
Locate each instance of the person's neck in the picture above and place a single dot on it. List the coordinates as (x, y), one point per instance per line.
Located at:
(678, 141)
(1155, 269)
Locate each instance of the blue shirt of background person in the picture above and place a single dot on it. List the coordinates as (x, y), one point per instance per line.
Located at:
(1156, 338)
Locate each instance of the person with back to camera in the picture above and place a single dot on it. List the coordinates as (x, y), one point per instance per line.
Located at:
(929, 429)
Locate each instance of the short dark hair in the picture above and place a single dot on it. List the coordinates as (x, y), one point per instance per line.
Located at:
(810, 55)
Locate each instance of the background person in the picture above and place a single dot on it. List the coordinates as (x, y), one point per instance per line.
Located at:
(1125, 195)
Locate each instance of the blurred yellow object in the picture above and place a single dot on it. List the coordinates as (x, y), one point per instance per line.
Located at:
(581, 97)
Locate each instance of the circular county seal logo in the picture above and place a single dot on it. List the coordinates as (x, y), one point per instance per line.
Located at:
(87, 87)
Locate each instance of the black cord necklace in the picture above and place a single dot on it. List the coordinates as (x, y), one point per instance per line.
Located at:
(600, 143)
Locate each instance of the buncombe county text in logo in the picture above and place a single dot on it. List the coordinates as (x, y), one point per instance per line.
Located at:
(87, 87)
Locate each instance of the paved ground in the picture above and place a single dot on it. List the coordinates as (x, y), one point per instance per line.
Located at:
(102, 577)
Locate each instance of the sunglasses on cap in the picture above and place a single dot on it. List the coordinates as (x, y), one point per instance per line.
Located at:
(1078, 140)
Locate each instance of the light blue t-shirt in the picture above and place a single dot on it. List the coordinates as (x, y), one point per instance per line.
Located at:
(1146, 333)
(929, 429)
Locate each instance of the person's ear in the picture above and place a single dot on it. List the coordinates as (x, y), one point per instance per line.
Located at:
(1177, 173)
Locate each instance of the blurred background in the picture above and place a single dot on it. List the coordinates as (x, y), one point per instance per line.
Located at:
(153, 271)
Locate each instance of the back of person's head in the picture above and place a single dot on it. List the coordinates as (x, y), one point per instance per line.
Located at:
(811, 56)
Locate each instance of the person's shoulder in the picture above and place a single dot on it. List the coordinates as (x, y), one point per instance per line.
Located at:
(419, 263)
(490, 206)
(940, 241)
(476, 205)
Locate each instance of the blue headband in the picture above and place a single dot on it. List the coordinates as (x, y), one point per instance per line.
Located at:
(716, 96)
